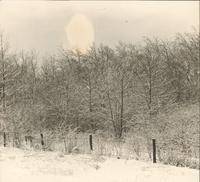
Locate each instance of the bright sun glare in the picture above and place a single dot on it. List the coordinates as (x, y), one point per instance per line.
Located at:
(80, 33)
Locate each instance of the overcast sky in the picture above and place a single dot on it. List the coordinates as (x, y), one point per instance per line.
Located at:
(41, 25)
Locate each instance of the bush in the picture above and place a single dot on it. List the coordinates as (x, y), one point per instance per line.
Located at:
(181, 161)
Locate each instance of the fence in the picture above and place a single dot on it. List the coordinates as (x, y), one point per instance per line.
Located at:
(130, 148)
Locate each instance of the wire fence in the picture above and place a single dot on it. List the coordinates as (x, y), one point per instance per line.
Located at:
(130, 148)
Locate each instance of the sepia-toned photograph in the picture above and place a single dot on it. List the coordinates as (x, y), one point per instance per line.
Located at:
(99, 91)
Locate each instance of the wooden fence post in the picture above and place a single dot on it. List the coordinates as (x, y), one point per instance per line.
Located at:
(26, 140)
(154, 150)
(90, 141)
(4, 139)
(42, 140)
(31, 141)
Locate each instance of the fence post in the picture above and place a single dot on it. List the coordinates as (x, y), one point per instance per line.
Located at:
(31, 141)
(26, 140)
(154, 150)
(42, 141)
(4, 139)
(90, 141)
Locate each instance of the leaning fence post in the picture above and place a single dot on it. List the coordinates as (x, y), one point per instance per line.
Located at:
(90, 141)
(42, 141)
(4, 139)
(154, 150)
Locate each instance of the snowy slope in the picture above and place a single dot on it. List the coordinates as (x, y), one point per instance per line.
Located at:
(29, 166)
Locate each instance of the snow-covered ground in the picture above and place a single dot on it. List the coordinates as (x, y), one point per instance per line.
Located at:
(29, 166)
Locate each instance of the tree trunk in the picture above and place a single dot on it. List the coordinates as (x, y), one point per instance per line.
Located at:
(3, 76)
(122, 108)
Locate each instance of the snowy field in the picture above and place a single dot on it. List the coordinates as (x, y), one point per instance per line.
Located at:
(31, 166)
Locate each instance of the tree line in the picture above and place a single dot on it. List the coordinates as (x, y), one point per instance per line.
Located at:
(114, 90)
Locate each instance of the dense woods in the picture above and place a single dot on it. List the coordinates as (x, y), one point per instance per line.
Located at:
(116, 91)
